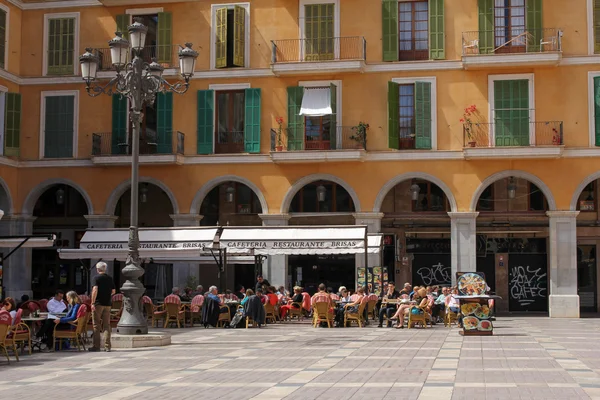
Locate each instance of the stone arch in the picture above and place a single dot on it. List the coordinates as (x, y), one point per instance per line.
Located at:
(213, 183)
(586, 181)
(9, 200)
(115, 196)
(517, 174)
(300, 183)
(414, 175)
(37, 191)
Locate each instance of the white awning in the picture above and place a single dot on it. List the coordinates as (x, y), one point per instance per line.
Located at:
(374, 243)
(29, 242)
(316, 102)
(297, 240)
(159, 243)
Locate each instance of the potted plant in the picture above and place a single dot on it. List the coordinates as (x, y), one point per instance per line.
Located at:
(468, 123)
(279, 146)
(360, 134)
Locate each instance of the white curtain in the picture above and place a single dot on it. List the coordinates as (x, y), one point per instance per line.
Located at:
(316, 102)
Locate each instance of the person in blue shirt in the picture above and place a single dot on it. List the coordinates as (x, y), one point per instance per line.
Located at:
(63, 323)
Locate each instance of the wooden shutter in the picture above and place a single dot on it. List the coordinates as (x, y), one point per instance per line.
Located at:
(58, 132)
(486, 26)
(239, 36)
(511, 112)
(206, 112)
(164, 123)
(597, 26)
(436, 30)
(221, 45)
(423, 115)
(295, 134)
(393, 115)
(12, 124)
(122, 24)
(333, 125)
(61, 40)
(534, 26)
(2, 38)
(252, 121)
(318, 32)
(165, 32)
(390, 30)
(119, 124)
(597, 109)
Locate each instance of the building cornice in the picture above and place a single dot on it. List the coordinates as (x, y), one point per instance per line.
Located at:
(56, 4)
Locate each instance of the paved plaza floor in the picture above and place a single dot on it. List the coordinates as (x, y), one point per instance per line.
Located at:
(527, 358)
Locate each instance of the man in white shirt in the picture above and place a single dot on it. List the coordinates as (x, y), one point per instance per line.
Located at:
(56, 305)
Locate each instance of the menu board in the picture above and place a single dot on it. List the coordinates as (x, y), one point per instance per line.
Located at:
(376, 276)
(474, 305)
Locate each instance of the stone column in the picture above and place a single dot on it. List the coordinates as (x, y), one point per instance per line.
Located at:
(373, 222)
(100, 222)
(182, 270)
(275, 268)
(463, 242)
(562, 271)
(17, 271)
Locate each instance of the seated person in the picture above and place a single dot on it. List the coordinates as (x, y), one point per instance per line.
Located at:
(46, 332)
(213, 293)
(351, 307)
(273, 299)
(420, 297)
(187, 296)
(263, 299)
(296, 299)
(10, 306)
(24, 299)
(230, 296)
(389, 309)
(56, 304)
(247, 295)
(453, 304)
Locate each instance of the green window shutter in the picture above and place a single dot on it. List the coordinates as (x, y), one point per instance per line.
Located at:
(164, 123)
(390, 30)
(534, 24)
(486, 26)
(165, 33)
(511, 112)
(206, 112)
(12, 125)
(2, 38)
(295, 134)
(423, 115)
(239, 36)
(252, 121)
(61, 42)
(393, 115)
(58, 132)
(333, 124)
(596, 26)
(119, 124)
(597, 109)
(436, 30)
(221, 45)
(122, 24)
(319, 22)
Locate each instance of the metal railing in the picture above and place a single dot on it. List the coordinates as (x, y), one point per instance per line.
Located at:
(103, 144)
(229, 142)
(166, 55)
(502, 40)
(345, 139)
(513, 133)
(316, 50)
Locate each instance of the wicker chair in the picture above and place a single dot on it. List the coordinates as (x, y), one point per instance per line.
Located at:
(450, 318)
(270, 313)
(175, 311)
(421, 318)
(224, 316)
(196, 308)
(295, 311)
(357, 316)
(20, 333)
(5, 321)
(76, 334)
(322, 313)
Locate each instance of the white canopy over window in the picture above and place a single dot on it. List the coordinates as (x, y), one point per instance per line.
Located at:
(316, 102)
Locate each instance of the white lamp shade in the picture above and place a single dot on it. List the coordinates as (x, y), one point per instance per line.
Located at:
(138, 39)
(187, 66)
(119, 55)
(89, 70)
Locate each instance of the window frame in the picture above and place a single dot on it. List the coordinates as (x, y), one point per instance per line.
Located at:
(510, 47)
(213, 34)
(5, 8)
(413, 22)
(3, 93)
(75, 94)
(231, 118)
(591, 109)
(222, 88)
(336, 23)
(338, 111)
(590, 29)
(47, 18)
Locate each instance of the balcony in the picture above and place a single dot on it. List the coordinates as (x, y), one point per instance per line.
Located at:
(229, 143)
(106, 151)
(318, 147)
(166, 55)
(341, 54)
(513, 139)
(509, 47)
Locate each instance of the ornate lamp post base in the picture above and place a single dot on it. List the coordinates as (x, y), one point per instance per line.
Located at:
(132, 320)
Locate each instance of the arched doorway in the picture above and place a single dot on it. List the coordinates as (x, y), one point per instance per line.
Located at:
(416, 229)
(154, 210)
(61, 210)
(588, 241)
(231, 203)
(322, 202)
(512, 240)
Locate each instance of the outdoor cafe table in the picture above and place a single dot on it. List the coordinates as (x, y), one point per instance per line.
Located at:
(31, 322)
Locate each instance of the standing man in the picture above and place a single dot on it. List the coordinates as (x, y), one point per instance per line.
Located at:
(261, 282)
(102, 292)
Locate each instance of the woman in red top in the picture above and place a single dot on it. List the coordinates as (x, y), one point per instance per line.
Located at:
(273, 299)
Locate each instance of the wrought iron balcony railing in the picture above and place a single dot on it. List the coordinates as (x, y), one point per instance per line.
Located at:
(502, 40)
(166, 55)
(306, 139)
(104, 144)
(316, 50)
(513, 133)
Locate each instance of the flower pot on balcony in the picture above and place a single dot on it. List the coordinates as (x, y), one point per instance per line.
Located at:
(278, 148)
(472, 144)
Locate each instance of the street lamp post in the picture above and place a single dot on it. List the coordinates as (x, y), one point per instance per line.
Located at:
(139, 81)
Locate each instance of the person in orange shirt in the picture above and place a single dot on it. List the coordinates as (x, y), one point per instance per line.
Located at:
(273, 299)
